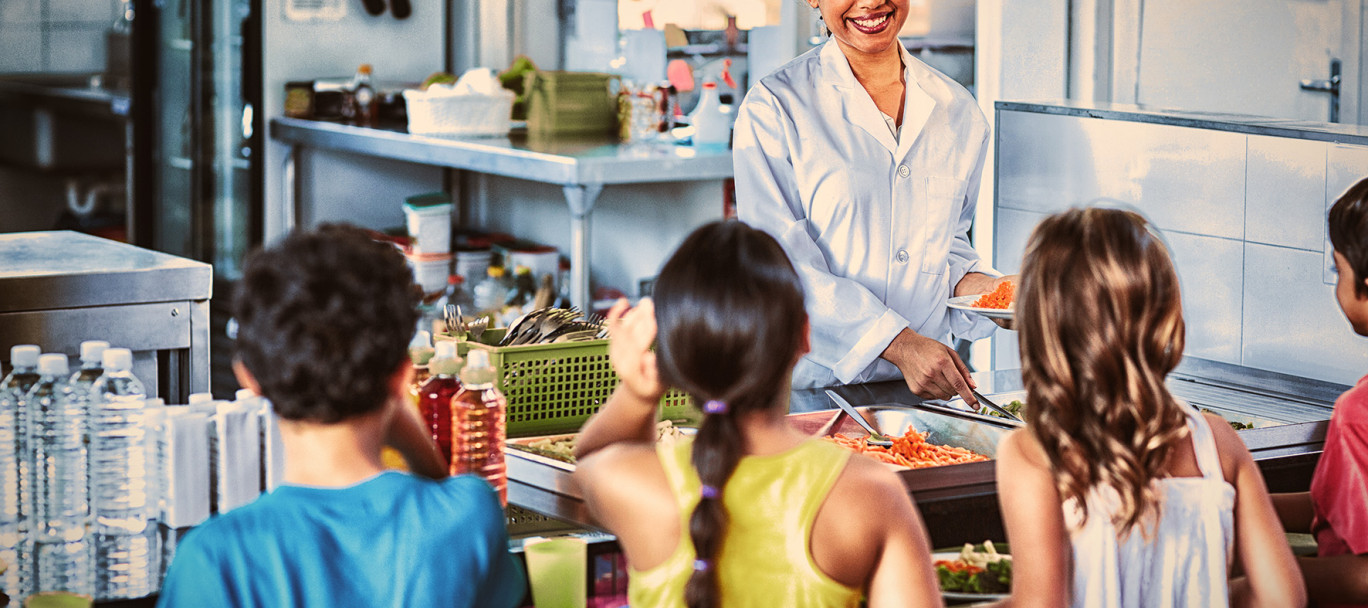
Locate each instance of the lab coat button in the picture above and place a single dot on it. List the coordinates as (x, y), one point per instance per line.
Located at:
(903, 171)
(902, 256)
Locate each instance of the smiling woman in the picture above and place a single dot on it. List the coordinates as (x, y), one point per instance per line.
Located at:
(885, 250)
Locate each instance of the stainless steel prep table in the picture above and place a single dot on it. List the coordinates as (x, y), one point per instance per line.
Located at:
(581, 166)
(959, 502)
(60, 288)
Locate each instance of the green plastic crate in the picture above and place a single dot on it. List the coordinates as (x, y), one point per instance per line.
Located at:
(555, 388)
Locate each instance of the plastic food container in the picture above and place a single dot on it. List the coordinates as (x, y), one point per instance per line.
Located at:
(448, 115)
(430, 270)
(429, 225)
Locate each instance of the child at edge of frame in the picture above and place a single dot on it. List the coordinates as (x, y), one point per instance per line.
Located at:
(1335, 510)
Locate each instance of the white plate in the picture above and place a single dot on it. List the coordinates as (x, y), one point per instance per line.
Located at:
(961, 596)
(967, 303)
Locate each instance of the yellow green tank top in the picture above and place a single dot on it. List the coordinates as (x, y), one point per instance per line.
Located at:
(772, 502)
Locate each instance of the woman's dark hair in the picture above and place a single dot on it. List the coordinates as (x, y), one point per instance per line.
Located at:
(324, 320)
(729, 308)
(1349, 232)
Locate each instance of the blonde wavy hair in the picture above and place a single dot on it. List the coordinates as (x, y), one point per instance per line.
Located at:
(1101, 325)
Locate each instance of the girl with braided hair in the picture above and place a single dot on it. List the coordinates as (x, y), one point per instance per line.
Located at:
(750, 512)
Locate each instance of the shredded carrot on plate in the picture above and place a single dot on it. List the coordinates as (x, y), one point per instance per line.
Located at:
(998, 298)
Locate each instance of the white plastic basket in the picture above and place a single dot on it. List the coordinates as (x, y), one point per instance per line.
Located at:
(458, 115)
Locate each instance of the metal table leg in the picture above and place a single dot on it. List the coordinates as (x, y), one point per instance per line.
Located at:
(581, 200)
(290, 183)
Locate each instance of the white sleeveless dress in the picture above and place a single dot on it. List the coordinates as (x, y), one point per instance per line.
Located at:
(1185, 560)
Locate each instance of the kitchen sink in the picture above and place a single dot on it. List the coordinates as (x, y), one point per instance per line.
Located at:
(61, 122)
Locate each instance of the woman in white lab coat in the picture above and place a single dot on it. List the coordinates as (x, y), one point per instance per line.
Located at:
(865, 164)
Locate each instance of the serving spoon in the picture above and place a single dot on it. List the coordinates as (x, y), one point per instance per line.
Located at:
(875, 437)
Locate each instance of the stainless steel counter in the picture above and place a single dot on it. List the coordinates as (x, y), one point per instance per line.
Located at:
(1216, 121)
(959, 502)
(58, 289)
(581, 166)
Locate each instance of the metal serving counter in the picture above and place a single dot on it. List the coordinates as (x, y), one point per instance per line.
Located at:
(581, 166)
(959, 502)
(58, 289)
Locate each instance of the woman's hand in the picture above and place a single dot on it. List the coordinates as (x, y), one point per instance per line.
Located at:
(931, 369)
(632, 331)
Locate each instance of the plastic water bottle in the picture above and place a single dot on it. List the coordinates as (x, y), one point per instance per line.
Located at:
(92, 357)
(124, 520)
(434, 397)
(479, 425)
(58, 418)
(118, 442)
(15, 484)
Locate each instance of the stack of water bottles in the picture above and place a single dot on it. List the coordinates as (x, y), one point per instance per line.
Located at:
(98, 482)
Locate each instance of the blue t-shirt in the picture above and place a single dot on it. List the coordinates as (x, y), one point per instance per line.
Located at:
(392, 540)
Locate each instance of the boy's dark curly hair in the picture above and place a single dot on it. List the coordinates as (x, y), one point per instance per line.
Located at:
(324, 320)
(1349, 231)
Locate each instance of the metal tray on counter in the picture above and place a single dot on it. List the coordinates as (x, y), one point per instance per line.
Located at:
(943, 429)
(962, 430)
(1198, 400)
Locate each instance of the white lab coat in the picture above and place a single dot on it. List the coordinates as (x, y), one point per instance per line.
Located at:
(876, 226)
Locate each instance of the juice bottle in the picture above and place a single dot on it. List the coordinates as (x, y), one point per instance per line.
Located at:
(479, 426)
(434, 397)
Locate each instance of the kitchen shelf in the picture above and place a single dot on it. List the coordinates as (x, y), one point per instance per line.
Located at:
(582, 166)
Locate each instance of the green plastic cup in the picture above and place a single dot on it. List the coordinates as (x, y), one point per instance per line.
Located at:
(556, 568)
(58, 599)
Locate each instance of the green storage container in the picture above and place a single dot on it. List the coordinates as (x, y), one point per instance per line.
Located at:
(571, 103)
(555, 388)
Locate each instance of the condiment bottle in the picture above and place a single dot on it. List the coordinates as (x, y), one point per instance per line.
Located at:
(363, 97)
(434, 397)
(479, 426)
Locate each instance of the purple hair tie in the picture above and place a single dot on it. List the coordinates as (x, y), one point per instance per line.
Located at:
(701, 565)
(715, 407)
(710, 492)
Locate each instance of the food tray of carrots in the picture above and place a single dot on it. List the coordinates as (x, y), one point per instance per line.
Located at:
(910, 450)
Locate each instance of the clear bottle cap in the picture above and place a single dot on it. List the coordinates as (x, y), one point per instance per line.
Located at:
(93, 350)
(117, 359)
(53, 364)
(198, 398)
(24, 355)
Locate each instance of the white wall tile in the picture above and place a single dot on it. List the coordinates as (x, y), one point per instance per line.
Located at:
(80, 49)
(1293, 323)
(20, 48)
(19, 11)
(101, 11)
(1284, 190)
